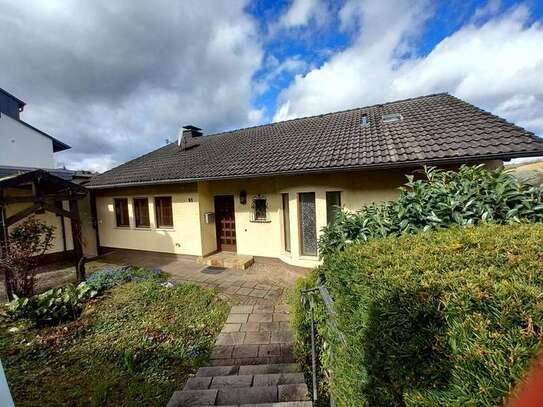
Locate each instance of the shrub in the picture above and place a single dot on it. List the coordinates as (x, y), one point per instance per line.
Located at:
(27, 241)
(112, 276)
(471, 195)
(53, 306)
(450, 317)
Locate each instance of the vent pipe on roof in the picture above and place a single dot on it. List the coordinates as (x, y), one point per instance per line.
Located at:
(187, 133)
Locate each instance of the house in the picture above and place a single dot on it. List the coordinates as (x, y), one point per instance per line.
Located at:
(26, 150)
(268, 190)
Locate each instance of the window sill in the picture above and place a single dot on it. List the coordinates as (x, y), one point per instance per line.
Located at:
(166, 229)
(260, 221)
(144, 228)
(122, 227)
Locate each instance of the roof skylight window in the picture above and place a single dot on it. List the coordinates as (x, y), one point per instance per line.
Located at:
(365, 120)
(392, 117)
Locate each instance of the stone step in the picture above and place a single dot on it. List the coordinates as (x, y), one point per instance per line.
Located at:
(248, 369)
(261, 394)
(267, 353)
(253, 361)
(232, 396)
(215, 382)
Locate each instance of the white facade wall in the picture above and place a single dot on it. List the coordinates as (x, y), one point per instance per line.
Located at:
(20, 146)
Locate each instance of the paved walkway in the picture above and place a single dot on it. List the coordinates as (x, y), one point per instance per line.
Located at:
(264, 283)
(251, 365)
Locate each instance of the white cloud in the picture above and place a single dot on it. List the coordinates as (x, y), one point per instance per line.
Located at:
(497, 65)
(301, 12)
(115, 79)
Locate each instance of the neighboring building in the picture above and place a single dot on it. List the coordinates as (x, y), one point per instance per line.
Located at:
(24, 148)
(24, 145)
(268, 190)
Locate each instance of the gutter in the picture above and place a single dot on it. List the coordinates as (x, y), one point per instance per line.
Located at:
(378, 166)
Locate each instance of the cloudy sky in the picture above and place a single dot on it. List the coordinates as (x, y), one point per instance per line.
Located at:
(116, 79)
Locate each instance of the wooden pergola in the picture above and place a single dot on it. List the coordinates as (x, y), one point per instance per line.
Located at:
(46, 191)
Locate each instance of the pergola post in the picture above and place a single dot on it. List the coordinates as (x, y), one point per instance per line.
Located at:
(4, 246)
(76, 237)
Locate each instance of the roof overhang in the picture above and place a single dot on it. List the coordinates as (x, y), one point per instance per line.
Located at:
(368, 167)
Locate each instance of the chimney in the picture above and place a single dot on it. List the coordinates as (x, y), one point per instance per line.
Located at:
(187, 133)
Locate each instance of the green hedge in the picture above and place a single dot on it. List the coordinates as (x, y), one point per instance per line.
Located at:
(439, 199)
(450, 317)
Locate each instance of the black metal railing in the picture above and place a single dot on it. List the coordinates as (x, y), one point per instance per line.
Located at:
(308, 297)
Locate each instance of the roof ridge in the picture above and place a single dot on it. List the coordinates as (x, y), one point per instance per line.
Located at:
(329, 113)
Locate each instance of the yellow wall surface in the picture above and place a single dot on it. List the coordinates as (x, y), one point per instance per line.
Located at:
(192, 236)
(183, 238)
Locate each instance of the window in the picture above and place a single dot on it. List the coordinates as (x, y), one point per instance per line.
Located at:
(141, 212)
(333, 205)
(121, 212)
(392, 117)
(260, 208)
(286, 222)
(163, 210)
(308, 223)
(364, 120)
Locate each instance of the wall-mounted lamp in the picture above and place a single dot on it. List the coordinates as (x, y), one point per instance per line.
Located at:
(243, 197)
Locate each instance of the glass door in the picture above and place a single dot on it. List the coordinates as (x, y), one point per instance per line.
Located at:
(308, 223)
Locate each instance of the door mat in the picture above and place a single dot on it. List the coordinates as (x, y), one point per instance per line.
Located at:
(213, 270)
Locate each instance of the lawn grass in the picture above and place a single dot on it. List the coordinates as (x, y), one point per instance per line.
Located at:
(134, 346)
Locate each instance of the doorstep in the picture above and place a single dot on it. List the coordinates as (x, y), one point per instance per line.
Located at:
(228, 260)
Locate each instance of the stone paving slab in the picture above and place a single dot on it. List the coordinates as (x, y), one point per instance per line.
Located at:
(193, 398)
(232, 381)
(292, 392)
(245, 395)
(237, 318)
(277, 379)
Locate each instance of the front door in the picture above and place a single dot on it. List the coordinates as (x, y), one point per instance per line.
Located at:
(225, 223)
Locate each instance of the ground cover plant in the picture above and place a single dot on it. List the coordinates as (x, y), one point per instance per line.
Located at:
(439, 199)
(450, 317)
(133, 345)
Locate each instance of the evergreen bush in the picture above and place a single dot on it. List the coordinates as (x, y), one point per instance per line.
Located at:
(449, 317)
(471, 195)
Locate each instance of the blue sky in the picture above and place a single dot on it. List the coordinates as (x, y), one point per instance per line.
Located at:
(117, 79)
(314, 43)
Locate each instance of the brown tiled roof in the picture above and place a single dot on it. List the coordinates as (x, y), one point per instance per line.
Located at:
(434, 129)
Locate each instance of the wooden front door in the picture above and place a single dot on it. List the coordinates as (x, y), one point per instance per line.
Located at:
(225, 223)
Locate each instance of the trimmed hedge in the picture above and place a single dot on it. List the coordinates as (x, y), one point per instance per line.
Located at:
(450, 317)
(472, 195)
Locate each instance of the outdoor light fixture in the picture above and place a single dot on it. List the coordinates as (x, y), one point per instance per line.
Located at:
(243, 197)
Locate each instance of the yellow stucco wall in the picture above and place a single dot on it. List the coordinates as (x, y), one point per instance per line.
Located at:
(88, 233)
(183, 238)
(267, 239)
(192, 236)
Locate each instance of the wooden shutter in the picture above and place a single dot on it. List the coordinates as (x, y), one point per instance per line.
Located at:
(141, 212)
(163, 209)
(121, 212)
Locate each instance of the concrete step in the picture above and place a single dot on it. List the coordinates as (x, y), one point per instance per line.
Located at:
(233, 396)
(282, 404)
(216, 382)
(261, 394)
(248, 369)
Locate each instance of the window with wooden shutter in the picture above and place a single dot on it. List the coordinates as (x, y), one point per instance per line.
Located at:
(121, 212)
(141, 212)
(163, 211)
